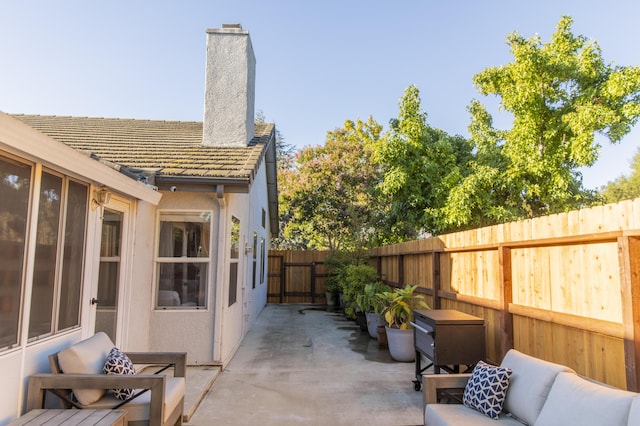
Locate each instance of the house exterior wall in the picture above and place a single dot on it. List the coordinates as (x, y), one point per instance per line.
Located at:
(21, 142)
(238, 318)
(137, 312)
(185, 329)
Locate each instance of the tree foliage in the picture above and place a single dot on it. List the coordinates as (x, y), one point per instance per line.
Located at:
(330, 193)
(420, 164)
(560, 94)
(624, 187)
(365, 187)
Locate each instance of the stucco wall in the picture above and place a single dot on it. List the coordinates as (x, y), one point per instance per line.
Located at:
(187, 330)
(238, 318)
(17, 364)
(137, 313)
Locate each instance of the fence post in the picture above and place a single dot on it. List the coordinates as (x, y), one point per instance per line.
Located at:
(506, 284)
(629, 255)
(313, 282)
(401, 270)
(436, 279)
(283, 280)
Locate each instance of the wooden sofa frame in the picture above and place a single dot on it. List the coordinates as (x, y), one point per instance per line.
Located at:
(60, 384)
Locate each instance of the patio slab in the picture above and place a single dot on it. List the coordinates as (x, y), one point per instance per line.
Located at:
(304, 365)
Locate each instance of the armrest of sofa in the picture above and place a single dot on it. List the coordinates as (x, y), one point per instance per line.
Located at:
(39, 383)
(177, 359)
(433, 382)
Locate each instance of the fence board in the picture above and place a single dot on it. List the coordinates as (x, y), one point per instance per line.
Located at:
(564, 287)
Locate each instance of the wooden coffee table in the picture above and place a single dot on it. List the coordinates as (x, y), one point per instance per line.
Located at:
(71, 417)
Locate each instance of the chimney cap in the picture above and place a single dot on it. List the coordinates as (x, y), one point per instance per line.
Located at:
(228, 29)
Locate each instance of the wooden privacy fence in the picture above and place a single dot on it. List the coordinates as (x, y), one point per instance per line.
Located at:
(297, 276)
(565, 287)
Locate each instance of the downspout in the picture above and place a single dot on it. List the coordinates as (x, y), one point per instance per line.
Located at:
(218, 318)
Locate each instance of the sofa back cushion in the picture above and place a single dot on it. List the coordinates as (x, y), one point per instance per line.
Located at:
(634, 411)
(576, 401)
(529, 385)
(86, 357)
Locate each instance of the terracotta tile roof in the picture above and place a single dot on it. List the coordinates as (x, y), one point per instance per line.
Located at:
(156, 148)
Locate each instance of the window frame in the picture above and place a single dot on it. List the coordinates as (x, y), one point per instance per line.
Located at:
(27, 265)
(183, 260)
(60, 264)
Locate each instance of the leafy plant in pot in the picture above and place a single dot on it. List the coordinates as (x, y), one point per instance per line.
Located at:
(357, 276)
(398, 314)
(373, 305)
(336, 264)
(332, 289)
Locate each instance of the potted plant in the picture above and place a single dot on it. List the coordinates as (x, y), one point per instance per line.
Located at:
(357, 276)
(336, 264)
(332, 289)
(373, 304)
(398, 314)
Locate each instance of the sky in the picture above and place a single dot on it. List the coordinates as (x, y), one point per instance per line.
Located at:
(319, 63)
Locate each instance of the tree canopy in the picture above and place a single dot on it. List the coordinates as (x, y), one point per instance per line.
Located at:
(329, 197)
(624, 187)
(560, 94)
(420, 165)
(366, 187)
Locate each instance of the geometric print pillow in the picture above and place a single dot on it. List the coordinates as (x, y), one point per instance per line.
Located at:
(486, 390)
(119, 363)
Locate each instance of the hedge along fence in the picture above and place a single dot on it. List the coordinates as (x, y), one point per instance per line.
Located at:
(565, 287)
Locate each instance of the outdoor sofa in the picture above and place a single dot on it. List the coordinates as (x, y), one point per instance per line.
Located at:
(538, 393)
(79, 380)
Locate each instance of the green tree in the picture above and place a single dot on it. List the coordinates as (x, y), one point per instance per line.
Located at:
(624, 187)
(420, 164)
(329, 195)
(560, 94)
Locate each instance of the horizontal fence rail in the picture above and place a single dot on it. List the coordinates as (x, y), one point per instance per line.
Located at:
(565, 288)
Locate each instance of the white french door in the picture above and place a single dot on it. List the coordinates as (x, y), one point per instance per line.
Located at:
(112, 272)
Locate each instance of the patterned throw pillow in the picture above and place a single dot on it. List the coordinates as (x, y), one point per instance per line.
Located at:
(486, 390)
(119, 363)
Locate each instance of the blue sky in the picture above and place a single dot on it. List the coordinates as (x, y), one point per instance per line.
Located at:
(318, 63)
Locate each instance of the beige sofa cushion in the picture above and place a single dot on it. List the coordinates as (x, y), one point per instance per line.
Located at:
(86, 357)
(576, 401)
(456, 414)
(529, 384)
(634, 411)
(138, 409)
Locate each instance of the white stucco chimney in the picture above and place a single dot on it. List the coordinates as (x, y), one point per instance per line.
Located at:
(229, 99)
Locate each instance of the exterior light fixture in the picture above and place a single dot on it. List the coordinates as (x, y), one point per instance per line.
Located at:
(101, 198)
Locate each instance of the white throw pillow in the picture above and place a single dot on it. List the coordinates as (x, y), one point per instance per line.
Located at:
(119, 363)
(486, 390)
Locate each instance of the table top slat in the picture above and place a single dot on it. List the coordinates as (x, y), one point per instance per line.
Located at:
(71, 417)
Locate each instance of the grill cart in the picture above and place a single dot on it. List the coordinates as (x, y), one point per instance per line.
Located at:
(448, 339)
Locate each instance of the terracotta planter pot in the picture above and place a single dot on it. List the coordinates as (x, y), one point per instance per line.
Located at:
(381, 331)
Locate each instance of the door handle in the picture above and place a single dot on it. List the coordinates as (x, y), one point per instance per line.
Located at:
(94, 301)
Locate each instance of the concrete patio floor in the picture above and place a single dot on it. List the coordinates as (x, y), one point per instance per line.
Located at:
(301, 364)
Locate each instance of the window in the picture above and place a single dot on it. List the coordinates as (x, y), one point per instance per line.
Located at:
(183, 260)
(59, 255)
(233, 260)
(15, 187)
(255, 257)
(58, 259)
(262, 259)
